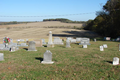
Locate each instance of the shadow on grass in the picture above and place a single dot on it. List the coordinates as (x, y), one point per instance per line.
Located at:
(39, 58)
(109, 62)
(25, 49)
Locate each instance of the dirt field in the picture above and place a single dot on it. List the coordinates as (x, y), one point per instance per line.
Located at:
(36, 33)
(43, 24)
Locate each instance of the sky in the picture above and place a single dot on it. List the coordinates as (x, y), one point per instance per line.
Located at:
(37, 10)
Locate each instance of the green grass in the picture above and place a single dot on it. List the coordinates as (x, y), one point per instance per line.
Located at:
(73, 63)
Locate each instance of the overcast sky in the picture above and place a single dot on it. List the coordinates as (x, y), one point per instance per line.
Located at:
(76, 10)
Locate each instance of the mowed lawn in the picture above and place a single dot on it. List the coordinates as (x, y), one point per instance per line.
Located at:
(75, 63)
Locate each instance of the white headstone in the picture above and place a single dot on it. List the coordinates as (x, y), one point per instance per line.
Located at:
(105, 46)
(119, 46)
(1, 56)
(73, 40)
(32, 46)
(94, 40)
(101, 48)
(78, 39)
(84, 46)
(115, 61)
(13, 48)
(68, 43)
(47, 58)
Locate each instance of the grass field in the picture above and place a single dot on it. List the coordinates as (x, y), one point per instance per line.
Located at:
(73, 63)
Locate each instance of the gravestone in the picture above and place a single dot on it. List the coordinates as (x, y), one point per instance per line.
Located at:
(107, 38)
(85, 41)
(47, 58)
(68, 43)
(2, 46)
(119, 46)
(115, 61)
(84, 46)
(105, 46)
(101, 48)
(69, 38)
(78, 39)
(50, 43)
(23, 44)
(58, 41)
(13, 48)
(43, 41)
(1, 56)
(73, 40)
(118, 39)
(32, 46)
(41, 44)
(94, 40)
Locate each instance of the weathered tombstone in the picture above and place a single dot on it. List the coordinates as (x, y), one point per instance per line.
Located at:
(13, 48)
(105, 46)
(68, 43)
(32, 46)
(107, 38)
(1, 56)
(101, 48)
(84, 46)
(78, 39)
(58, 41)
(94, 40)
(47, 58)
(73, 40)
(41, 44)
(50, 43)
(115, 61)
(23, 44)
(43, 41)
(2, 46)
(119, 46)
(69, 38)
(85, 41)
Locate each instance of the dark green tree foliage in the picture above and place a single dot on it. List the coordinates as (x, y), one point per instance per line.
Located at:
(64, 20)
(107, 22)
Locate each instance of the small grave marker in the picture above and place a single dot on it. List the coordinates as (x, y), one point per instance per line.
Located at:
(68, 43)
(1, 56)
(84, 46)
(32, 46)
(115, 61)
(101, 48)
(47, 58)
(105, 46)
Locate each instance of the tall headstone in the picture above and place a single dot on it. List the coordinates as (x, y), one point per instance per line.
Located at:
(1, 56)
(115, 61)
(119, 46)
(68, 43)
(101, 48)
(47, 58)
(43, 41)
(94, 40)
(50, 43)
(32, 46)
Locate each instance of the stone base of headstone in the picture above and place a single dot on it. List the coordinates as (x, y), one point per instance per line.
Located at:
(1, 56)
(32, 50)
(84, 46)
(46, 62)
(50, 45)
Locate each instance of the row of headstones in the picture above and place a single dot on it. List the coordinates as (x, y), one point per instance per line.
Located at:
(47, 58)
(109, 38)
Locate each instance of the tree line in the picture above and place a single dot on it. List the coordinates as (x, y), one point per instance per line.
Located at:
(107, 22)
(64, 20)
